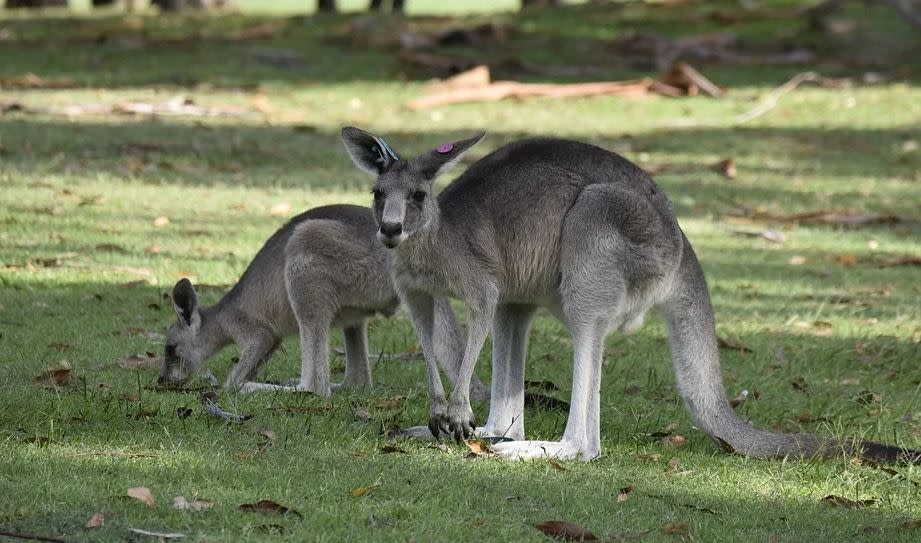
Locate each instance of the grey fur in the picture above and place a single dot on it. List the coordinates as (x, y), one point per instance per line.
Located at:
(584, 233)
(323, 269)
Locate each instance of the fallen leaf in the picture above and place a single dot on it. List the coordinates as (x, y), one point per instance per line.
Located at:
(846, 259)
(58, 375)
(675, 440)
(160, 222)
(556, 465)
(799, 383)
(268, 507)
(158, 535)
(724, 343)
(624, 493)
(726, 168)
(652, 457)
(142, 493)
(95, 521)
(134, 361)
(110, 248)
(197, 504)
(394, 402)
(281, 209)
(838, 501)
(361, 413)
(797, 260)
(547, 386)
(565, 531)
(478, 447)
(675, 528)
(540, 401)
(63, 347)
(360, 491)
(740, 397)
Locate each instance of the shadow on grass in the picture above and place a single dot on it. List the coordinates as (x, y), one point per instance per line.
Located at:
(292, 157)
(186, 51)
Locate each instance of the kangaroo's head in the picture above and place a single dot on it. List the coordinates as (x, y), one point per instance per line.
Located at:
(184, 352)
(403, 200)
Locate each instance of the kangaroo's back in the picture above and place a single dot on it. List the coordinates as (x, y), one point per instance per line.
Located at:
(260, 293)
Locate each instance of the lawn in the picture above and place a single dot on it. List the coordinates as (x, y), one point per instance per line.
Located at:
(823, 330)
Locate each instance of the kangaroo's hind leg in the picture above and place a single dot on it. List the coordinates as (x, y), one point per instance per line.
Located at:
(511, 327)
(357, 365)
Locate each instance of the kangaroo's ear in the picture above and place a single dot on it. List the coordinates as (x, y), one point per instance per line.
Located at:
(444, 157)
(185, 301)
(368, 152)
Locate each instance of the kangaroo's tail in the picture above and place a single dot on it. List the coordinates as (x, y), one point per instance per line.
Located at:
(692, 336)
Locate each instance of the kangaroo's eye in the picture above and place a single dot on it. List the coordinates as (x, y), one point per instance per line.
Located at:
(419, 196)
(377, 193)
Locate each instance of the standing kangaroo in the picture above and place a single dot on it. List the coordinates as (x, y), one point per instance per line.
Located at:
(323, 268)
(582, 232)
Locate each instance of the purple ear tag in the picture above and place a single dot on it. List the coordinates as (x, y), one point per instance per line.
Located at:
(445, 148)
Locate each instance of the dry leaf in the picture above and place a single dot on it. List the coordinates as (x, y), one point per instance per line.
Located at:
(797, 260)
(281, 209)
(110, 248)
(556, 465)
(652, 457)
(624, 493)
(160, 222)
(63, 347)
(197, 504)
(726, 168)
(478, 447)
(134, 361)
(799, 383)
(565, 531)
(846, 259)
(394, 402)
(95, 521)
(58, 375)
(740, 397)
(142, 493)
(724, 343)
(838, 501)
(268, 507)
(360, 491)
(676, 528)
(676, 440)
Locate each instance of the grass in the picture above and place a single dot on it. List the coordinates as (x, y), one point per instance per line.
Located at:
(73, 187)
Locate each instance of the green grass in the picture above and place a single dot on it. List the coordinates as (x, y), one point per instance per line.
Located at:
(69, 185)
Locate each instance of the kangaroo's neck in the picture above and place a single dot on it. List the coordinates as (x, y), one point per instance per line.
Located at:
(213, 334)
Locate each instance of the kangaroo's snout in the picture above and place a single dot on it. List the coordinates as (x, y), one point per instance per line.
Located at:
(391, 229)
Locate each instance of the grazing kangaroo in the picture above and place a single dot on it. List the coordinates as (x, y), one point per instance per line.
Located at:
(573, 228)
(323, 268)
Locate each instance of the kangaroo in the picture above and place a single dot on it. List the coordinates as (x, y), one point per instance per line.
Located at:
(323, 268)
(578, 230)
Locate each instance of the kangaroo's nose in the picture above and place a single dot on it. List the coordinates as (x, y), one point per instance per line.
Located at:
(391, 229)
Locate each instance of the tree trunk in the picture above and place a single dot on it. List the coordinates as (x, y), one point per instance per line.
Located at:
(326, 6)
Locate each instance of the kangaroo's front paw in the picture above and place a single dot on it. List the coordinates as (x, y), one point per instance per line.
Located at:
(438, 417)
(461, 423)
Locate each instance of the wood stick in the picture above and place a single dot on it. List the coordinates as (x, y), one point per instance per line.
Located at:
(501, 90)
(770, 101)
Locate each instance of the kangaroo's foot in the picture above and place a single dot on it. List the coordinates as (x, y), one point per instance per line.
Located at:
(518, 450)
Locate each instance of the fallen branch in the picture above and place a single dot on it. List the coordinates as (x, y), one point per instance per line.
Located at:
(501, 90)
(31, 537)
(770, 101)
(683, 76)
